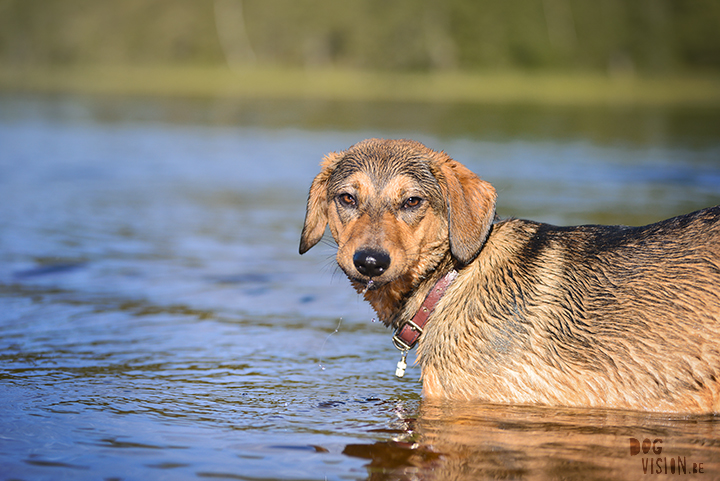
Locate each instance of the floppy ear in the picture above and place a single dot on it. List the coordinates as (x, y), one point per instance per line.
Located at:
(471, 209)
(317, 204)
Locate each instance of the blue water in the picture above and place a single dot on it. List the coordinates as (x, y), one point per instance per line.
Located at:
(157, 322)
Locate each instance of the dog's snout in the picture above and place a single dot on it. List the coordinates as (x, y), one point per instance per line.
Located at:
(370, 262)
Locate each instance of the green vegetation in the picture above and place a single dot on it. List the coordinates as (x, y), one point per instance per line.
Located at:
(333, 84)
(480, 51)
(608, 35)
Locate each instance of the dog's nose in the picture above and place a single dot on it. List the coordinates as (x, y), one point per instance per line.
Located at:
(370, 262)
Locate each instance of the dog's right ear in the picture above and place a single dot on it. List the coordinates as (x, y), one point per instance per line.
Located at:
(316, 216)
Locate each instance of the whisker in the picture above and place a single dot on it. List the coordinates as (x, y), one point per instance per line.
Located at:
(329, 243)
(337, 272)
(329, 266)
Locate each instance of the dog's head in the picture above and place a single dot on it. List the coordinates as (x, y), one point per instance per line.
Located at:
(396, 208)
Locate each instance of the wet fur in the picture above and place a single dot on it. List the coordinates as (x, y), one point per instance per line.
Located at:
(605, 316)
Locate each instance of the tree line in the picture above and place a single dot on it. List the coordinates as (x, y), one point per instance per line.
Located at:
(617, 36)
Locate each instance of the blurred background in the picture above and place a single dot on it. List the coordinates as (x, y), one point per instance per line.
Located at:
(156, 319)
(404, 65)
(614, 36)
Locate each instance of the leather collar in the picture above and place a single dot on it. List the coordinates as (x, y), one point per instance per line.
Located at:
(407, 335)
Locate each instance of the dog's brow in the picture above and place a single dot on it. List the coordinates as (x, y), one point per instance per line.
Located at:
(381, 166)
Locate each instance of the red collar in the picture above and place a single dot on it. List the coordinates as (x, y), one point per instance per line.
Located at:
(407, 335)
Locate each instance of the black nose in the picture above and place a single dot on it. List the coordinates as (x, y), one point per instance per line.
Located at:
(370, 262)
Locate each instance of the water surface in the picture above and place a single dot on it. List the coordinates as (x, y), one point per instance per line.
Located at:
(156, 321)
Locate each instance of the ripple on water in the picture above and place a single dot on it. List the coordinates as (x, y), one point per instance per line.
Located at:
(158, 323)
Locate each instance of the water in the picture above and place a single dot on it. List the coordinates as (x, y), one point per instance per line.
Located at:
(156, 321)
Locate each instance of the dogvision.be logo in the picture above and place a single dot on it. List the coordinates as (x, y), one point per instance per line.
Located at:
(654, 463)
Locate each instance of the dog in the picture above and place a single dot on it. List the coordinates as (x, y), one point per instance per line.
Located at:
(516, 311)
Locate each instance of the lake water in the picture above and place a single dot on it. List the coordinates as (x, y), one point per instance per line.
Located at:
(157, 322)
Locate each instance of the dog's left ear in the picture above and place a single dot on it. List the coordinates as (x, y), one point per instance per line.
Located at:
(471, 209)
(317, 204)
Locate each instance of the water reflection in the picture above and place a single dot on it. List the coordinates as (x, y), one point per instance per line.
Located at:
(694, 127)
(469, 441)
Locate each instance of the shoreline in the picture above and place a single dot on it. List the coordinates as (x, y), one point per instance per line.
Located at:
(490, 88)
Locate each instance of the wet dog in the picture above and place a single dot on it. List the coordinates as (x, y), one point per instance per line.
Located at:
(515, 311)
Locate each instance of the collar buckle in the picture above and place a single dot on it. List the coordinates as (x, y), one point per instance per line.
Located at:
(406, 336)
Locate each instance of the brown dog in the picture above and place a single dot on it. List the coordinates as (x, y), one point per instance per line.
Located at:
(605, 316)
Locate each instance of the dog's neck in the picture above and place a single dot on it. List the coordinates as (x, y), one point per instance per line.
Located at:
(398, 301)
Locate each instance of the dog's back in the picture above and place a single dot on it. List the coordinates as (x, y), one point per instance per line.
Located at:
(614, 316)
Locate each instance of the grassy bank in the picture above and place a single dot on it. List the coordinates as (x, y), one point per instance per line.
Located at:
(276, 83)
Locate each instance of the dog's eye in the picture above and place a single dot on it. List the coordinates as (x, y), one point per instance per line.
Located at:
(412, 202)
(347, 200)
